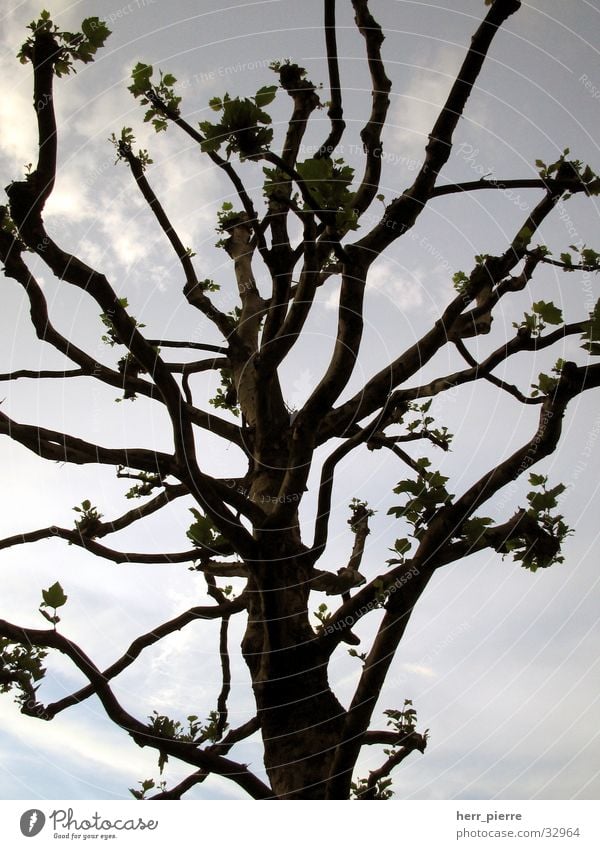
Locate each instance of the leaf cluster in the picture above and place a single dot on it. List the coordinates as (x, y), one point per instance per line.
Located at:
(327, 181)
(196, 732)
(89, 521)
(124, 147)
(381, 792)
(72, 46)
(422, 422)
(547, 384)
(543, 313)
(323, 614)
(21, 669)
(403, 721)
(129, 368)
(537, 543)
(149, 482)
(425, 496)
(202, 532)
(226, 395)
(111, 337)
(159, 96)
(244, 126)
(147, 785)
(570, 169)
(590, 259)
(591, 334)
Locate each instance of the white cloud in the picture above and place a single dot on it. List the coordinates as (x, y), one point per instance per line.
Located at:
(418, 669)
(392, 281)
(388, 280)
(18, 139)
(417, 106)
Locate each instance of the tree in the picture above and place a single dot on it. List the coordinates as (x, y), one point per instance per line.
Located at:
(313, 225)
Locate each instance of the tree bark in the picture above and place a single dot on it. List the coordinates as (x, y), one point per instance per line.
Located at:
(300, 718)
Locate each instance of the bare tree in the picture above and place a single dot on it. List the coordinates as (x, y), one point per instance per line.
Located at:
(247, 529)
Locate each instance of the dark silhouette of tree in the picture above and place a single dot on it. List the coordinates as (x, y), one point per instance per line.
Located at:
(309, 230)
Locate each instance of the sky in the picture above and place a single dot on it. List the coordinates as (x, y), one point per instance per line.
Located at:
(501, 664)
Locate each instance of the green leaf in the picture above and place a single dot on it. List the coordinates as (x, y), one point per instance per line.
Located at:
(328, 183)
(537, 480)
(408, 485)
(548, 312)
(567, 259)
(541, 501)
(401, 546)
(95, 31)
(54, 596)
(460, 281)
(141, 79)
(203, 532)
(265, 95)
(213, 137)
(591, 258)
(591, 334)
(545, 385)
(593, 188)
(523, 237)
(473, 528)
(436, 480)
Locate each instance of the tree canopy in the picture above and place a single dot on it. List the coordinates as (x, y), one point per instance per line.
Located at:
(280, 551)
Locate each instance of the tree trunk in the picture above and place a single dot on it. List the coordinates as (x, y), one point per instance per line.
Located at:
(301, 719)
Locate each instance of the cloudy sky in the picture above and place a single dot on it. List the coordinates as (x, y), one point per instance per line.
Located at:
(501, 664)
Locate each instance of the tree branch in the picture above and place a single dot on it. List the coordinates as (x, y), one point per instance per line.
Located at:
(193, 289)
(75, 537)
(495, 381)
(410, 743)
(26, 208)
(337, 375)
(401, 214)
(42, 375)
(223, 748)
(572, 382)
(198, 366)
(10, 253)
(222, 712)
(492, 272)
(573, 185)
(54, 445)
(199, 346)
(398, 612)
(226, 167)
(335, 111)
(362, 435)
(194, 614)
(140, 733)
(380, 89)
